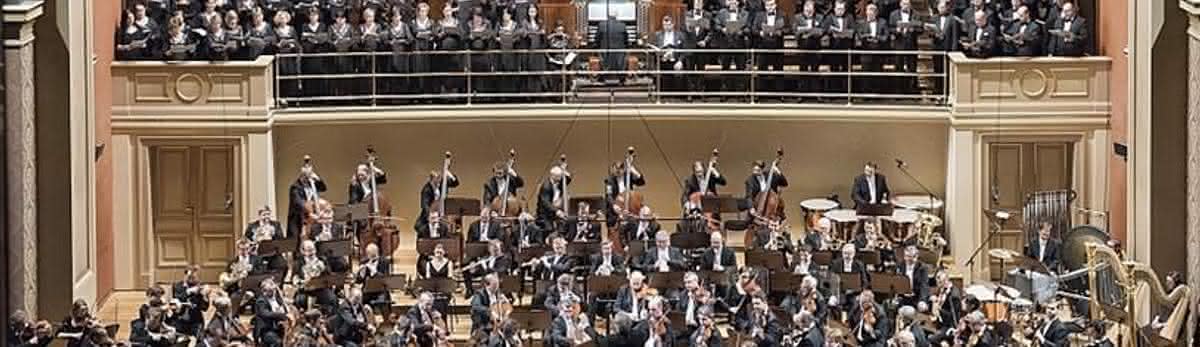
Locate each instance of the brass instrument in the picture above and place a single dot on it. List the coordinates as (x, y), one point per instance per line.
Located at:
(1139, 291)
(237, 272)
(577, 330)
(311, 270)
(605, 269)
(926, 230)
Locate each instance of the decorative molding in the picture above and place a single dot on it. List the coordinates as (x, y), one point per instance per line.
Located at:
(18, 22)
(1021, 87)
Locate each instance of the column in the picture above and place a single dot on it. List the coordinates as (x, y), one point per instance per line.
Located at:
(1192, 7)
(21, 161)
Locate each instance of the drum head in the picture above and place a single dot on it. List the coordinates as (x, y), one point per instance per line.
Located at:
(818, 204)
(842, 215)
(1075, 245)
(904, 216)
(918, 202)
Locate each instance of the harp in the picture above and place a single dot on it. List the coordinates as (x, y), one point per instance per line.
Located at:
(1130, 294)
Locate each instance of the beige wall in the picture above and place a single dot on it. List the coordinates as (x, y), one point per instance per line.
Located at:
(821, 157)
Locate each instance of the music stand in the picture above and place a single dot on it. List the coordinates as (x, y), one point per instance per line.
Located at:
(453, 247)
(510, 285)
(342, 213)
(525, 318)
(850, 282)
(636, 249)
(723, 203)
(875, 210)
(604, 285)
(894, 284)
(530, 253)
(773, 260)
(442, 286)
(678, 320)
(784, 282)
(253, 283)
(719, 278)
(359, 211)
(666, 280)
(273, 247)
(460, 206)
(385, 283)
(583, 249)
(335, 248)
(474, 250)
(870, 257)
(822, 257)
(689, 240)
(329, 280)
(596, 202)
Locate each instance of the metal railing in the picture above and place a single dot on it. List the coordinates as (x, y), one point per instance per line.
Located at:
(540, 76)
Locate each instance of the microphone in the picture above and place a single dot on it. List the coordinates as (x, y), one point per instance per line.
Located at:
(900, 163)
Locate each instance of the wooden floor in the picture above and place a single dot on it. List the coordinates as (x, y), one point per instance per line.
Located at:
(122, 306)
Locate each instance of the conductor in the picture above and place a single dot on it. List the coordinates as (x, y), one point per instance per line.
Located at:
(611, 36)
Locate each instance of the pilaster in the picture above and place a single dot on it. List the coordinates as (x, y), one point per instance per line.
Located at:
(19, 18)
(1192, 7)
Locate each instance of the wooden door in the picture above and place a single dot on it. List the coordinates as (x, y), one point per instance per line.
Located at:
(1017, 169)
(192, 190)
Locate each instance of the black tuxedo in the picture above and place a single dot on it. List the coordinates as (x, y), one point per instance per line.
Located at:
(642, 332)
(1052, 256)
(546, 211)
(612, 186)
(421, 325)
(839, 266)
(984, 39)
(629, 231)
(763, 237)
(558, 333)
(349, 325)
(862, 192)
(277, 235)
(298, 194)
(710, 257)
(475, 234)
(950, 311)
(625, 298)
(491, 189)
(500, 265)
(557, 265)
(692, 185)
(792, 304)
(1078, 46)
(551, 298)
(429, 194)
(919, 282)
(191, 320)
(876, 337)
(358, 190)
(949, 29)
(753, 187)
(267, 322)
(532, 233)
(589, 230)
(772, 331)
(617, 261)
(675, 259)
(382, 268)
(1031, 38)
(424, 231)
(481, 304)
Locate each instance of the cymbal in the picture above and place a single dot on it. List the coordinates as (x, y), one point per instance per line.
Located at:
(1003, 254)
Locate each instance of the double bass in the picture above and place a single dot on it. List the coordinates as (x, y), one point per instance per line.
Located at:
(696, 198)
(768, 205)
(506, 202)
(629, 203)
(310, 205)
(380, 227)
(439, 205)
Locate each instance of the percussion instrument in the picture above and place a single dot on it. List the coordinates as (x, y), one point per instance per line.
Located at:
(844, 223)
(814, 209)
(1052, 207)
(995, 311)
(919, 202)
(896, 227)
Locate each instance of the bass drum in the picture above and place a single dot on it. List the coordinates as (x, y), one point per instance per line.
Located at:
(1074, 256)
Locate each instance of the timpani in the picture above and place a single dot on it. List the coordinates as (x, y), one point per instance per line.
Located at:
(845, 223)
(896, 226)
(919, 202)
(814, 210)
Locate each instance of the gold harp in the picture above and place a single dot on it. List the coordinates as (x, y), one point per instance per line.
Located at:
(1131, 294)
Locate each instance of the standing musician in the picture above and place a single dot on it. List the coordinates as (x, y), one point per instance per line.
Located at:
(641, 229)
(906, 27)
(700, 170)
(731, 26)
(979, 38)
(224, 323)
(807, 26)
(583, 227)
(871, 187)
(1044, 249)
(918, 276)
(706, 334)
(717, 257)
(872, 34)
(483, 302)
(353, 322)
(697, 24)
(840, 26)
(572, 328)
(758, 322)
(1069, 33)
(769, 28)
(607, 263)
(270, 315)
(360, 184)
(655, 330)
(621, 178)
(188, 294)
(486, 228)
(374, 266)
(552, 209)
(435, 266)
(805, 331)
(631, 298)
(757, 182)
(554, 264)
(663, 257)
(306, 189)
(1022, 37)
(946, 30)
(868, 321)
(432, 192)
(308, 267)
(426, 322)
(502, 173)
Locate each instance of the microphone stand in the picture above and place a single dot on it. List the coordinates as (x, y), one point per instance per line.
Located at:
(996, 226)
(932, 197)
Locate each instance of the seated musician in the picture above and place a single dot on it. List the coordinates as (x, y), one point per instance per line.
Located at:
(189, 294)
(486, 228)
(691, 299)
(806, 331)
(918, 275)
(244, 264)
(354, 321)
(631, 301)
(747, 286)
(264, 228)
(662, 257)
(758, 323)
(436, 265)
(75, 327)
(572, 328)
(526, 233)
(1045, 249)
(270, 315)
(583, 227)
(943, 300)
(908, 322)
(324, 229)
(23, 332)
(550, 207)
(802, 262)
(868, 320)
(655, 329)
(706, 333)
(502, 173)
(495, 262)
(482, 301)
(607, 263)
(620, 180)
(815, 238)
(717, 257)
(849, 265)
(1097, 333)
(554, 264)
(432, 192)
(871, 187)
(806, 298)
(360, 184)
(562, 290)
(155, 332)
(425, 321)
(903, 339)
(1053, 331)
(774, 237)
(642, 228)
(224, 323)
(308, 267)
(435, 227)
(974, 331)
(757, 182)
(374, 266)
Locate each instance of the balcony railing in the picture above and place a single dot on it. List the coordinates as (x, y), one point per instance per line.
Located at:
(542, 76)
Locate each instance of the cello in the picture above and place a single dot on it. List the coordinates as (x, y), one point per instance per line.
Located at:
(696, 198)
(627, 204)
(768, 205)
(505, 202)
(380, 229)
